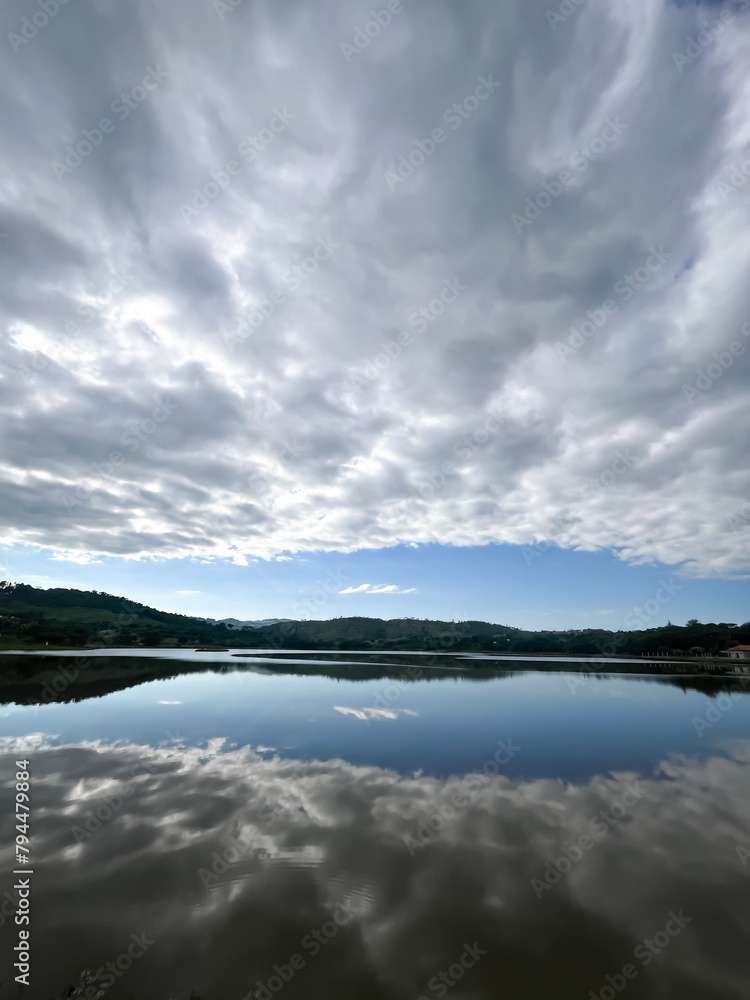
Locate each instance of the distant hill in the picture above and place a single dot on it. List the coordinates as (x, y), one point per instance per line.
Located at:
(19, 598)
(236, 623)
(419, 634)
(82, 618)
(61, 616)
(395, 633)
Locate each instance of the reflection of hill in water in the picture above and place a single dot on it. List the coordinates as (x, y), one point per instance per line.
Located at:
(34, 680)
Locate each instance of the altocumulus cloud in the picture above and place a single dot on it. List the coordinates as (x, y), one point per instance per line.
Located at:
(265, 449)
(385, 588)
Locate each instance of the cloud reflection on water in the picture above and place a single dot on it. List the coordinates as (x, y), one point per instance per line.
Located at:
(324, 834)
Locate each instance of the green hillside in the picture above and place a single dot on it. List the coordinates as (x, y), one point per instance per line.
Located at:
(60, 617)
(77, 618)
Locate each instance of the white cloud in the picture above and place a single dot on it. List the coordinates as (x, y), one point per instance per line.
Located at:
(189, 591)
(365, 714)
(268, 448)
(369, 588)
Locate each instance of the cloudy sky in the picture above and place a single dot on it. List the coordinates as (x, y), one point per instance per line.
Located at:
(289, 291)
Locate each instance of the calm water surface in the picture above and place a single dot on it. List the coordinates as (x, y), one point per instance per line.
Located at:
(310, 827)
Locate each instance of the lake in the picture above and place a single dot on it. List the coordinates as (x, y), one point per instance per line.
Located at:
(339, 825)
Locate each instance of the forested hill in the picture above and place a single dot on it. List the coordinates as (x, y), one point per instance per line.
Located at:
(78, 618)
(415, 634)
(22, 597)
(63, 617)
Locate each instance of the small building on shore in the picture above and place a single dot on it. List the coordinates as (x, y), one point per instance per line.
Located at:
(739, 652)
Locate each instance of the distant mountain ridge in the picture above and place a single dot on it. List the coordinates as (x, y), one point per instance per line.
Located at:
(236, 623)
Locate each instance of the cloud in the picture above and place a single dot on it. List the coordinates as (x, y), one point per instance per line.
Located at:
(365, 714)
(322, 833)
(331, 424)
(189, 591)
(369, 588)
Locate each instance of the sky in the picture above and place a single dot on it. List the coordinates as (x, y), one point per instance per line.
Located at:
(426, 309)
